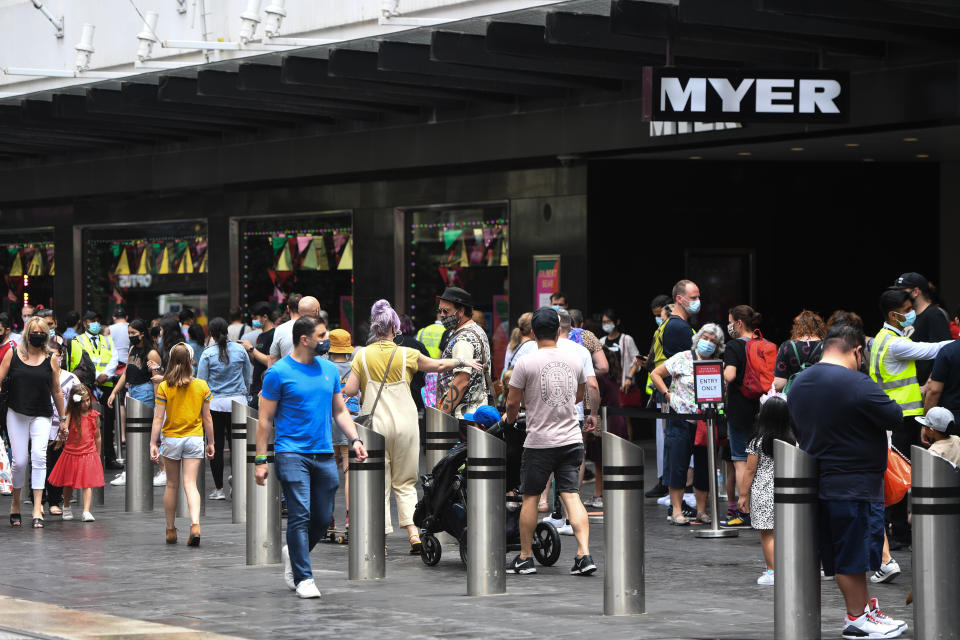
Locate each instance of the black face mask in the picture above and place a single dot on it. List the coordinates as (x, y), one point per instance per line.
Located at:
(323, 347)
(37, 339)
(134, 341)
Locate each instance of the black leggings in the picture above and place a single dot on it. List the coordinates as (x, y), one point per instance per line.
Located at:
(221, 433)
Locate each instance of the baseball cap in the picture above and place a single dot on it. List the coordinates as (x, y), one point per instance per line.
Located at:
(545, 319)
(938, 419)
(485, 415)
(340, 341)
(91, 315)
(911, 280)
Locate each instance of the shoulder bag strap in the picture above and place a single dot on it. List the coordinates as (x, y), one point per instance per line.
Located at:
(382, 382)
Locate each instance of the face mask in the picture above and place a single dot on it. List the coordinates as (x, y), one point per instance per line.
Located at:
(37, 339)
(659, 320)
(77, 397)
(134, 341)
(909, 318)
(94, 328)
(693, 307)
(705, 347)
(449, 322)
(608, 328)
(732, 330)
(257, 324)
(323, 347)
(52, 333)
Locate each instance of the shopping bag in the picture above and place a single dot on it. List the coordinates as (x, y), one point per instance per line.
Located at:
(897, 480)
(6, 472)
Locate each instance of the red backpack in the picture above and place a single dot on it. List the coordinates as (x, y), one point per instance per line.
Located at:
(758, 374)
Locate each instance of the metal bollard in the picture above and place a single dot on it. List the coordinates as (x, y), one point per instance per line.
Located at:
(443, 433)
(714, 531)
(138, 493)
(936, 536)
(367, 554)
(486, 514)
(183, 511)
(796, 590)
(238, 459)
(263, 506)
(623, 544)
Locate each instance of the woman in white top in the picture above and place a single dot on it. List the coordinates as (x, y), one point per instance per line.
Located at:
(619, 348)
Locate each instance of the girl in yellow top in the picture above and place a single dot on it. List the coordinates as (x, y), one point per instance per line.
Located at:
(182, 416)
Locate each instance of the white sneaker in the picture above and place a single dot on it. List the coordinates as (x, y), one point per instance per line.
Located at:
(67, 514)
(287, 568)
(886, 573)
(120, 480)
(556, 522)
(566, 529)
(308, 589)
(160, 480)
(824, 576)
(87, 517)
(873, 607)
(216, 494)
(868, 627)
(664, 501)
(766, 578)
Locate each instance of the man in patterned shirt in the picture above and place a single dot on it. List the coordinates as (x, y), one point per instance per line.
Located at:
(463, 389)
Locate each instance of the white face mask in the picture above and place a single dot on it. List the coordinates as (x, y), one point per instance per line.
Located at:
(608, 328)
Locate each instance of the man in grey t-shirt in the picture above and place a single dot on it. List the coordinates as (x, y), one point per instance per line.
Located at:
(549, 382)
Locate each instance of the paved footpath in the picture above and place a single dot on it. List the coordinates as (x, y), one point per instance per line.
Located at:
(120, 566)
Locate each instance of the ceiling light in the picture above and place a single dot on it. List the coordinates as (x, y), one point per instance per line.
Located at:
(852, 145)
(796, 148)
(910, 139)
(869, 159)
(923, 155)
(696, 157)
(744, 153)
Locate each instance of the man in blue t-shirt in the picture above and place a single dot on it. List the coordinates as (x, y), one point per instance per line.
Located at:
(943, 385)
(299, 398)
(841, 419)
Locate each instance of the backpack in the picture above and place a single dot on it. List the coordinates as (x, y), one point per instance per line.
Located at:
(758, 374)
(81, 367)
(803, 365)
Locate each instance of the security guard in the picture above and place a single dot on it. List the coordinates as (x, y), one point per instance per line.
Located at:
(893, 365)
(431, 337)
(104, 356)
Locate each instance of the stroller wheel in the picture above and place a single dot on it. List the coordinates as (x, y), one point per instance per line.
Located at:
(462, 543)
(546, 544)
(430, 549)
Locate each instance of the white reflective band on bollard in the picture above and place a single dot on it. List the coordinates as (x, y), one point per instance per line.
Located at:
(796, 589)
(138, 493)
(623, 542)
(486, 514)
(935, 498)
(263, 506)
(367, 540)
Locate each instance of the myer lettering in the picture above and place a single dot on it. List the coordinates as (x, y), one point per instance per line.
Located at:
(785, 96)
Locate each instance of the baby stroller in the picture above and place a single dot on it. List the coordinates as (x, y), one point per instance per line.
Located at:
(443, 507)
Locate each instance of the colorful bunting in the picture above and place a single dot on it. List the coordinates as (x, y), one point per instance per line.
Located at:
(310, 256)
(339, 239)
(203, 264)
(463, 261)
(163, 268)
(346, 258)
(36, 267)
(450, 236)
(278, 242)
(186, 264)
(16, 269)
(323, 263)
(284, 262)
(303, 242)
(123, 265)
(144, 264)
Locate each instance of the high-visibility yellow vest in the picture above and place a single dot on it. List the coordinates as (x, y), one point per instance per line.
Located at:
(430, 337)
(100, 354)
(903, 388)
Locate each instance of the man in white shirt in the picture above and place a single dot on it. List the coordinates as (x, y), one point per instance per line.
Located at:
(284, 331)
(118, 331)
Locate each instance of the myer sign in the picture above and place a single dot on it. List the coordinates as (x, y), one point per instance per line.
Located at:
(746, 96)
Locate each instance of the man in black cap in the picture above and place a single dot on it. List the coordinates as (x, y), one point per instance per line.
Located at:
(931, 325)
(549, 382)
(463, 389)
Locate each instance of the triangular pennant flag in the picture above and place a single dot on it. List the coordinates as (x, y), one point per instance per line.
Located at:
(489, 235)
(277, 296)
(186, 265)
(52, 271)
(463, 261)
(123, 266)
(309, 257)
(143, 267)
(443, 274)
(303, 242)
(478, 236)
(116, 250)
(203, 264)
(346, 258)
(36, 266)
(50, 253)
(284, 263)
(16, 269)
(339, 239)
(278, 242)
(323, 263)
(12, 251)
(504, 253)
(272, 275)
(283, 276)
(450, 236)
(164, 267)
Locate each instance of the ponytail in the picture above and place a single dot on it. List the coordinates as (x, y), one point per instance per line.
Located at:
(218, 331)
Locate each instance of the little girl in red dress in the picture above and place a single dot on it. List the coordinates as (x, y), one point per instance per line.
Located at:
(79, 465)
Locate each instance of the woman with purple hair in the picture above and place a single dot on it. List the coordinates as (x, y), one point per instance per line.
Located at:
(385, 364)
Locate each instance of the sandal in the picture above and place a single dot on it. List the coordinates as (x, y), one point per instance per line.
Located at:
(543, 506)
(55, 510)
(38, 523)
(680, 521)
(415, 545)
(15, 520)
(704, 518)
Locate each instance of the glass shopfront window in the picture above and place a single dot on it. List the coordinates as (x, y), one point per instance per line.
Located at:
(466, 246)
(150, 270)
(27, 265)
(306, 254)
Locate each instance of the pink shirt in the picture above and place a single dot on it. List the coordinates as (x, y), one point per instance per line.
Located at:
(549, 379)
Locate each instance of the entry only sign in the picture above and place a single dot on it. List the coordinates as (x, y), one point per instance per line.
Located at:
(708, 381)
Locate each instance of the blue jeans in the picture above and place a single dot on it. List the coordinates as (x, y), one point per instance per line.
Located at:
(143, 393)
(309, 482)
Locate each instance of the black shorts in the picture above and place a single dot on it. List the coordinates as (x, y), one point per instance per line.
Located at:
(564, 462)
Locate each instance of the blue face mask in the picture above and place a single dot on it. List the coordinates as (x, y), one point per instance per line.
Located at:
(53, 333)
(705, 347)
(94, 328)
(694, 307)
(257, 324)
(909, 318)
(659, 320)
(323, 347)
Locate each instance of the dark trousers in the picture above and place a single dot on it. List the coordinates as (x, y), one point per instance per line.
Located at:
(904, 436)
(221, 433)
(52, 495)
(107, 421)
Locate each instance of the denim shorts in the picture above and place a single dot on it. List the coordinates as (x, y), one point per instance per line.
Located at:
(177, 448)
(738, 442)
(851, 536)
(144, 393)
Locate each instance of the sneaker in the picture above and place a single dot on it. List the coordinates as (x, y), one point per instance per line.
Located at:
(287, 568)
(596, 502)
(556, 522)
(868, 627)
(520, 566)
(656, 492)
(739, 520)
(688, 511)
(824, 576)
(120, 480)
(766, 578)
(873, 607)
(67, 514)
(566, 529)
(583, 566)
(160, 480)
(887, 572)
(87, 517)
(216, 494)
(308, 589)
